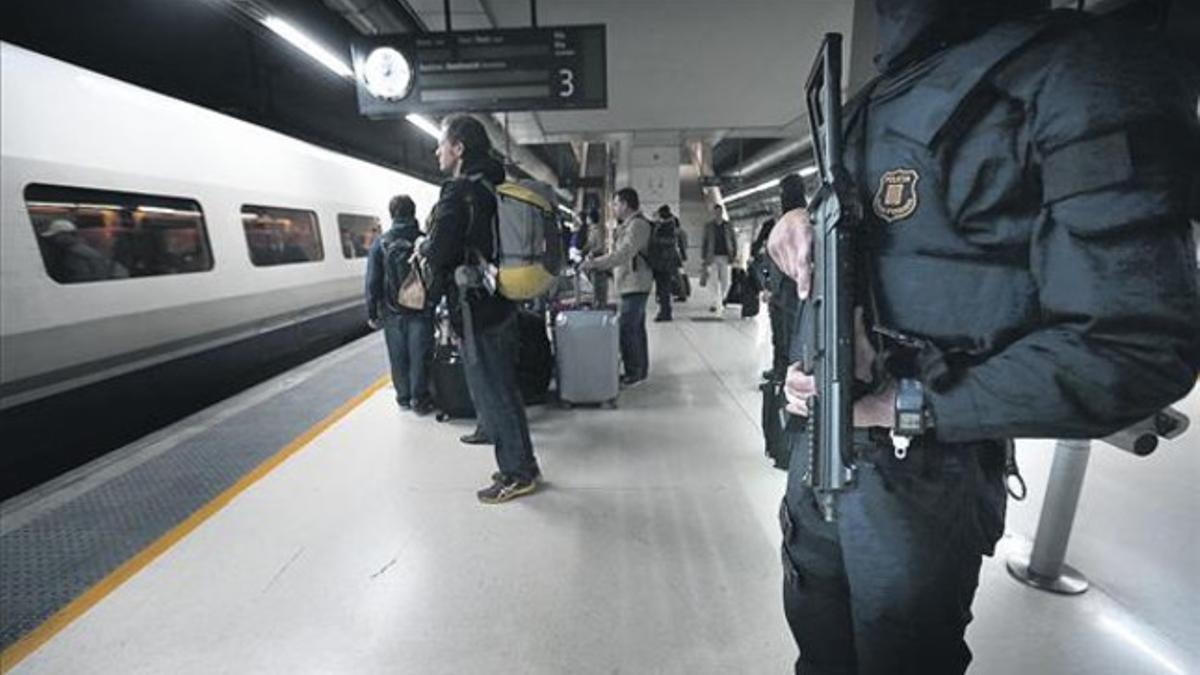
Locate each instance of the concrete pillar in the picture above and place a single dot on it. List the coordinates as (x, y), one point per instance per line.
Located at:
(654, 173)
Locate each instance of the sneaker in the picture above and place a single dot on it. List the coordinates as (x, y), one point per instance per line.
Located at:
(425, 407)
(405, 404)
(537, 475)
(632, 381)
(475, 438)
(661, 319)
(504, 489)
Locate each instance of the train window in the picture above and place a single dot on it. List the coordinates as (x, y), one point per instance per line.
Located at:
(279, 236)
(94, 235)
(358, 233)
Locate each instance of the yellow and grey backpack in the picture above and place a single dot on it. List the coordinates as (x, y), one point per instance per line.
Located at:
(528, 239)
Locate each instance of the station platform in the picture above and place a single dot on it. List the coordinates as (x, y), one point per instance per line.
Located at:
(309, 526)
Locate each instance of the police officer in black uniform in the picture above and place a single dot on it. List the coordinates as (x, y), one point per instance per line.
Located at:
(1024, 176)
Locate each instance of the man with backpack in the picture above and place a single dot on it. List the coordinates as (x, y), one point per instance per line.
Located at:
(408, 332)
(634, 279)
(666, 257)
(463, 249)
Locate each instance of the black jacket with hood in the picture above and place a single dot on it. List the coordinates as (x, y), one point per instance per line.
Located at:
(463, 223)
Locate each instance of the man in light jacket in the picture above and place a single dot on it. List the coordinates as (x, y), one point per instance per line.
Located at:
(718, 252)
(634, 280)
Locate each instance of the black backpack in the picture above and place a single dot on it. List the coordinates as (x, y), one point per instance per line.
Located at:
(397, 252)
(663, 250)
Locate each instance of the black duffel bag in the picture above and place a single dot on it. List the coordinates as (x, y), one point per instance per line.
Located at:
(535, 359)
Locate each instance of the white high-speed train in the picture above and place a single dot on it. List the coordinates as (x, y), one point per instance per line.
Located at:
(138, 230)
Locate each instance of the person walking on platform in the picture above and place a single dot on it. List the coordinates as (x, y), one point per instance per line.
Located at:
(666, 257)
(718, 252)
(1030, 273)
(634, 279)
(408, 332)
(462, 239)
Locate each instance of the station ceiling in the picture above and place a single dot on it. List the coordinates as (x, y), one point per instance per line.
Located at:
(725, 71)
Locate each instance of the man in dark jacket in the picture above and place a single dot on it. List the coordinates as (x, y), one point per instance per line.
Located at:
(408, 332)
(666, 256)
(718, 251)
(1025, 191)
(462, 241)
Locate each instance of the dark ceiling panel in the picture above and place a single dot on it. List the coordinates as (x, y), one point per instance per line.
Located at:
(206, 53)
(733, 151)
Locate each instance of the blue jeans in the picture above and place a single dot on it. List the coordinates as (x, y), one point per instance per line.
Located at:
(409, 340)
(492, 377)
(888, 587)
(635, 348)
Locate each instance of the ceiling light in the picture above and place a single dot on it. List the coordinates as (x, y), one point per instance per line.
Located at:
(754, 190)
(424, 124)
(774, 182)
(307, 45)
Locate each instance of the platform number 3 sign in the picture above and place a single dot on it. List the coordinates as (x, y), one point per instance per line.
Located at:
(566, 83)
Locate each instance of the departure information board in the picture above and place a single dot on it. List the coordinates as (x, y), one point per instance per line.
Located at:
(552, 68)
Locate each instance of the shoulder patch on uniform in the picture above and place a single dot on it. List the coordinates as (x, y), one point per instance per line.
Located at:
(896, 198)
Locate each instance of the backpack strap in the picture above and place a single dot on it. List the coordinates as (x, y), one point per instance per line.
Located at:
(479, 179)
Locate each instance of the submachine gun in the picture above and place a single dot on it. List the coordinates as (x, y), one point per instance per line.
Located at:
(827, 327)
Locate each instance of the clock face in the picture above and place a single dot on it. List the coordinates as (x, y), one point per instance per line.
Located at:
(387, 74)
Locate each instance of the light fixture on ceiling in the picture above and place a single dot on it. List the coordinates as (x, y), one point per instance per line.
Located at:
(424, 124)
(750, 191)
(306, 44)
(774, 182)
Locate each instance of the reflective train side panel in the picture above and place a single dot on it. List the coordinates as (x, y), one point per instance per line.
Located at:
(68, 131)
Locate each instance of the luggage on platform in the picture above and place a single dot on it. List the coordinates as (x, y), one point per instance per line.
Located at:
(737, 286)
(587, 350)
(535, 360)
(448, 384)
(682, 286)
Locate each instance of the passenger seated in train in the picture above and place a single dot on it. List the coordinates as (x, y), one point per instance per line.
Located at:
(408, 332)
(69, 259)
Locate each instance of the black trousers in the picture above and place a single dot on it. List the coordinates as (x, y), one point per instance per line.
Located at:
(664, 288)
(781, 322)
(888, 587)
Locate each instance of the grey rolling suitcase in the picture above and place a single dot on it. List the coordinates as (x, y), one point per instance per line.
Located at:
(587, 353)
(587, 349)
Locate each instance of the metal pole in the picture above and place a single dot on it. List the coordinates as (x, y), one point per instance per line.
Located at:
(1043, 567)
(446, 11)
(533, 13)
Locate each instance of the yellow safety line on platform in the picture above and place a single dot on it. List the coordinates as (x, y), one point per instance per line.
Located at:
(39, 636)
